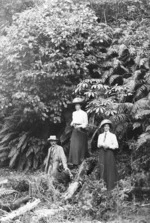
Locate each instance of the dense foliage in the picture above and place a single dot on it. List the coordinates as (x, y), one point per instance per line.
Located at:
(99, 48)
(46, 51)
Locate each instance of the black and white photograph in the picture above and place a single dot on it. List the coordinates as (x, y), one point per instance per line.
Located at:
(75, 111)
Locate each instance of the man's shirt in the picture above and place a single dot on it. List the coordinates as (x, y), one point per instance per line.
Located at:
(55, 155)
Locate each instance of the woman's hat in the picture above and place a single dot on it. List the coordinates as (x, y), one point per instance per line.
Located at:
(105, 121)
(52, 138)
(77, 101)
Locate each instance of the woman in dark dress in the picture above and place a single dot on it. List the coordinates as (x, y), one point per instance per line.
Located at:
(107, 143)
(79, 144)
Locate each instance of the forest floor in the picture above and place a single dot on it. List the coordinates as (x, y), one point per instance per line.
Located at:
(133, 213)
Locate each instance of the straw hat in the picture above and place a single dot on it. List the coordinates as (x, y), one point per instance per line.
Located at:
(52, 138)
(77, 101)
(105, 121)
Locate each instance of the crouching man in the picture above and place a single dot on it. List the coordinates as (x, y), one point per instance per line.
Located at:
(56, 162)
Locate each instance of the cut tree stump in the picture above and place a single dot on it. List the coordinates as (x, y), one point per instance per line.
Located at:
(86, 167)
(14, 205)
(73, 187)
(28, 207)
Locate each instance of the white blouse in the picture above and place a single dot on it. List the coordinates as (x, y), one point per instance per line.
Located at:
(107, 139)
(80, 117)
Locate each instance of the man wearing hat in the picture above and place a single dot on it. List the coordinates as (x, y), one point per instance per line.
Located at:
(56, 160)
(107, 143)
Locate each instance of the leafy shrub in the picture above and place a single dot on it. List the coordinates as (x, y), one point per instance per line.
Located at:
(44, 57)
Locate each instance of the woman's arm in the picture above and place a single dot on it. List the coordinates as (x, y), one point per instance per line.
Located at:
(114, 144)
(84, 121)
(99, 141)
(72, 123)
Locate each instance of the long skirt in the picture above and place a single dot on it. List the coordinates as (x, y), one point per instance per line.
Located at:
(108, 169)
(78, 146)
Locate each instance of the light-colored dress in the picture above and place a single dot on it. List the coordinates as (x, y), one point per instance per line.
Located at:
(79, 142)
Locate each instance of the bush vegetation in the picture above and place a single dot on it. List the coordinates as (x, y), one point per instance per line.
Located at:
(51, 52)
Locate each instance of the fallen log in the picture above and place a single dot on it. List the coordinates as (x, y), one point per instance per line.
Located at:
(4, 192)
(22, 210)
(14, 205)
(45, 212)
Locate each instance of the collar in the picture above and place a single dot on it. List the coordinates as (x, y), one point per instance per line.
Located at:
(107, 132)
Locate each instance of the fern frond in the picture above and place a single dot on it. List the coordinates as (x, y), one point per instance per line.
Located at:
(22, 140)
(125, 107)
(148, 128)
(136, 125)
(115, 78)
(119, 118)
(143, 138)
(107, 74)
(30, 150)
(3, 154)
(13, 159)
(29, 164)
(22, 162)
(121, 128)
(5, 129)
(142, 113)
(35, 163)
(12, 151)
(3, 148)
(7, 138)
(141, 104)
(130, 84)
(141, 91)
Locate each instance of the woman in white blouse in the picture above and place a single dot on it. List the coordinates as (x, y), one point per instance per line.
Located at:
(107, 143)
(78, 145)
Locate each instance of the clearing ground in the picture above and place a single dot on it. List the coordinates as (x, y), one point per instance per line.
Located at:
(51, 207)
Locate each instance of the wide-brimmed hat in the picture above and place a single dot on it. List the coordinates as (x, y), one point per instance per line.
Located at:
(52, 138)
(105, 121)
(78, 100)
